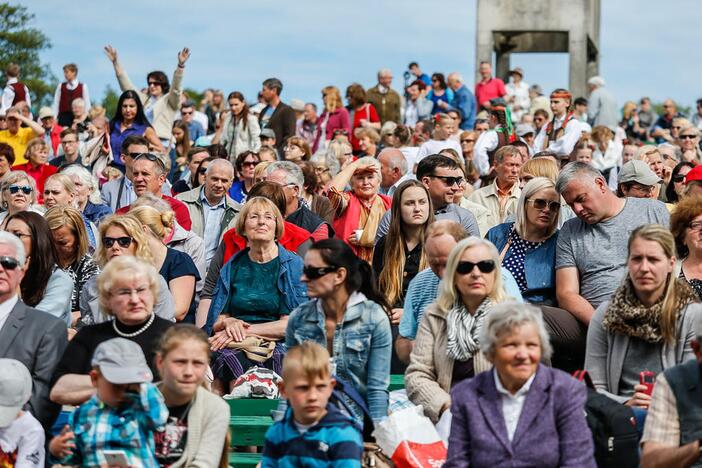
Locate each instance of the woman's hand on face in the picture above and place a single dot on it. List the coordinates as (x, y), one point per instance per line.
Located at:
(236, 329)
(640, 399)
(219, 340)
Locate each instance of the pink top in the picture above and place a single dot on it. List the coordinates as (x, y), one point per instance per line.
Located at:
(492, 89)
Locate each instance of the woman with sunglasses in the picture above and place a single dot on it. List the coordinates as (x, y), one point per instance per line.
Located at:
(527, 246)
(245, 165)
(349, 316)
(37, 165)
(676, 188)
(447, 348)
(18, 192)
(44, 286)
(689, 143)
(256, 291)
(121, 236)
(439, 92)
(130, 120)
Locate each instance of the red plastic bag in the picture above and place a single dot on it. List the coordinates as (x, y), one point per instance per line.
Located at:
(410, 439)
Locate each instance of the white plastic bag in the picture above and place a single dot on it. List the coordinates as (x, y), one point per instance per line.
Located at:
(410, 439)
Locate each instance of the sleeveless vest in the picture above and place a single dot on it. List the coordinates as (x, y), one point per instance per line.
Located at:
(685, 380)
(20, 94)
(68, 95)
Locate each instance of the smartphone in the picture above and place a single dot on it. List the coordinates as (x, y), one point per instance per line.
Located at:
(116, 458)
(648, 379)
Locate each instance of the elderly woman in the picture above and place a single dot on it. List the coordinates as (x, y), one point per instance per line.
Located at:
(176, 267)
(7, 159)
(368, 141)
(37, 165)
(256, 291)
(521, 413)
(44, 286)
(447, 347)
(686, 227)
(128, 288)
(334, 117)
(19, 193)
(343, 293)
(121, 236)
(689, 143)
(71, 240)
(340, 151)
(87, 193)
(358, 211)
(527, 246)
(647, 325)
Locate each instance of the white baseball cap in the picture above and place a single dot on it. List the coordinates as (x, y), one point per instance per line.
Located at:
(15, 389)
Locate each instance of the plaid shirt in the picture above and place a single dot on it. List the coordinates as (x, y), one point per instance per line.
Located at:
(98, 427)
(662, 422)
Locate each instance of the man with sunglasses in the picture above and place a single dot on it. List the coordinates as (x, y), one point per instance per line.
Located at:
(148, 176)
(501, 197)
(18, 136)
(442, 177)
(187, 113)
(34, 338)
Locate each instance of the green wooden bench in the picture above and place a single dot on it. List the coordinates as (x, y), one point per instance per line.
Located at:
(397, 382)
(250, 419)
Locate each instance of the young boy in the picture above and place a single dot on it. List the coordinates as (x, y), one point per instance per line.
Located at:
(119, 420)
(21, 436)
(312, 432)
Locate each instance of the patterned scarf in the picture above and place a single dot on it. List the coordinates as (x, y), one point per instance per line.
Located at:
(627, 316)
(463, 330)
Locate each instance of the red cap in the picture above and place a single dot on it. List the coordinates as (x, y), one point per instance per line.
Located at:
(695, 174)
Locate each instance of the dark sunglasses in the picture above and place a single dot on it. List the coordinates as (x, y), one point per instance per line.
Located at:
(678, 178)
(688, 137)
(26, 189)
(314, 273)
(9, 263)
(541, 204)
(147, 156)
(202, 170)
(485, 266)
(154, 83)
(249, 164)
(448, 180)
(123, 242)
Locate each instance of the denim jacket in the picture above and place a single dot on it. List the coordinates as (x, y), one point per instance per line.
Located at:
(539, 265)
(362, 346)
(292, 290)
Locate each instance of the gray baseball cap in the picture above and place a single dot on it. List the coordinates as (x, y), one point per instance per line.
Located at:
(639, 172)
(267, 133)
(15, 389)
(524, 129)
(121, 361)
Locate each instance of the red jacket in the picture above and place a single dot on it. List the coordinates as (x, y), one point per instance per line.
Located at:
(293, 236)
(181, 211)
(55, 135)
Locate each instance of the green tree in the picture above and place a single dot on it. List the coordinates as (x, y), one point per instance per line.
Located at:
(21, 44)
(109, 101)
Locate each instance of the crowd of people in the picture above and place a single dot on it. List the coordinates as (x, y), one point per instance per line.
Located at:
(485, 242)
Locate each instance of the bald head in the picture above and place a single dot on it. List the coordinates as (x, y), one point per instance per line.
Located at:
(218, 180)
(393, 166)
(454, 80)
(442, 237)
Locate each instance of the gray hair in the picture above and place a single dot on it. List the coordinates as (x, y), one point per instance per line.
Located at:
(534, 185)
(15, 242)
(456, 76)
(504, 318)
(293, 173)
(384, 71)
(149, 199)
(396, 159)
(677, 151)
(220, 162)
(87, 178)
(78, 101)
(327, 159)
(576, 170)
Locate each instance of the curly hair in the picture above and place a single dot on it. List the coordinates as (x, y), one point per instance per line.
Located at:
(687, 209)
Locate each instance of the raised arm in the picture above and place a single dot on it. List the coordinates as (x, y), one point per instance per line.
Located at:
(36, 128)
(122, 78)
(176, 85)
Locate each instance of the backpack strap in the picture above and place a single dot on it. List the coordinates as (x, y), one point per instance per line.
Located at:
(583, 376)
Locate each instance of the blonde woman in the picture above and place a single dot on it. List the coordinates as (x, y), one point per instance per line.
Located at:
(340, 151)
(176, 267)
(120, 236)
(647, 325)
(447, 348)
(689, 143)
(18, 192)
(334, 117)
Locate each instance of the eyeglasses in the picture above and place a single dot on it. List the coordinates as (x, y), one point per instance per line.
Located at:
(485, 266)
(467, 140)
(148, 156)
(695, 226)
(449, 180)
(249, 164)
(678, 178)
(541, 204)
(154, 83)
(314, 273)
(26, 189)
(9, 263)
(688, 137)
(123, 242)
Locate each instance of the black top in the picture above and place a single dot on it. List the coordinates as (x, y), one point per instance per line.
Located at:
(412, 259)
(170, 443)
(180, 186)
(175, 265)
(76, 359)
(462, 370)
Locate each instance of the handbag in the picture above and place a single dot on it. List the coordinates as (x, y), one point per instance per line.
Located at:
(256, 349)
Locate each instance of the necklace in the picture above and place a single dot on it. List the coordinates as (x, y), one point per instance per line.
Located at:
(133, 334)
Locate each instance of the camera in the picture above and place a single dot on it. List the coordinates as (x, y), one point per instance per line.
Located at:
(82, 127)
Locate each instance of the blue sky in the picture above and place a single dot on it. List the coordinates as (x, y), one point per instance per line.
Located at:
(646, 47)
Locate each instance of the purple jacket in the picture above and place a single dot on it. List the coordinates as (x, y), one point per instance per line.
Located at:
(551, 432)
(339, 119)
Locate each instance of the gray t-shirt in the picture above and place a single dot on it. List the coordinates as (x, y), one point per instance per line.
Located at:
(599, 250)
(640, 356)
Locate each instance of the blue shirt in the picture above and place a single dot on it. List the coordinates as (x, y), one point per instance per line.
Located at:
(117, 136)
(195, 130)
(464, 102)
(213, 217)
(422, 291)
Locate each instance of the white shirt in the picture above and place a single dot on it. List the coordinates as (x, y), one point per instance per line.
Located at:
(521, 98)
(564, 145)
(8, 95)
(512, 404)
(487, 141)
(435, 146)
(410, 153)
(71, 85)
(25, 438)
(5, 309)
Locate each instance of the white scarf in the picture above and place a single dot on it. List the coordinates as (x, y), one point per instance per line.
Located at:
(463, 330)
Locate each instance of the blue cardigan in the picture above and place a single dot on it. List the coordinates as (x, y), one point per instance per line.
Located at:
(292, 290)
(539, 265)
